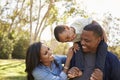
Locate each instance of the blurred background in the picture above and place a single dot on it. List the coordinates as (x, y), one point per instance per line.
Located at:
(23, 22)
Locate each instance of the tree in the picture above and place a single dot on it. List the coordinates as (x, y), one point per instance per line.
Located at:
(111, 24)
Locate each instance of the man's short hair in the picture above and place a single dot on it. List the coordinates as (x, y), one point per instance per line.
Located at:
(96, 28)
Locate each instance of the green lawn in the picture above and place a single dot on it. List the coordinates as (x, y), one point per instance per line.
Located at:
(13, 69)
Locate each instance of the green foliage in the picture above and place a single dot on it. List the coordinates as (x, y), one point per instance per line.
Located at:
(20, 47)
(4, 27)
(57, 47)
(61, 48)
(11, 35)
(115, 50)
(14, 42)
(6, 45)
(52, 15)
(6, 48)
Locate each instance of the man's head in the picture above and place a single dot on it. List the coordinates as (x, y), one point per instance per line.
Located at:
(91, 37)
(64, 33)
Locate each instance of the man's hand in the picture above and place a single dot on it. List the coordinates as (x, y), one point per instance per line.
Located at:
(74, 72)
(97, 75)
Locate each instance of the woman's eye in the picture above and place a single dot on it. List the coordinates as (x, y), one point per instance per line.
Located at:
(47, 51)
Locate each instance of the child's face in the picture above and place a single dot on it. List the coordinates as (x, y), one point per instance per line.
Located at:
(67, 35)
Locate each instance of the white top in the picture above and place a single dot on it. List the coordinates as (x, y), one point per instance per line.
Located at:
(78, 25)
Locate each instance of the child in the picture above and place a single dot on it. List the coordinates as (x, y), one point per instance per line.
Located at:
(64, 33)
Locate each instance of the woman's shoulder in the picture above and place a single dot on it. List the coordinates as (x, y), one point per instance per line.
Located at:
(60, 58)
(39, 72)
(38, 69)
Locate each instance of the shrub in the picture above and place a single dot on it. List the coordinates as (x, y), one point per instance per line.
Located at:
(20, 48)
(6, 48)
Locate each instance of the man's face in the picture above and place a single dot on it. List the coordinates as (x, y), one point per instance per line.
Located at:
(67, 35)
(89, 41)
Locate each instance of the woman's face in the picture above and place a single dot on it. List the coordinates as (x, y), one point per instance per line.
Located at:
(45, 54)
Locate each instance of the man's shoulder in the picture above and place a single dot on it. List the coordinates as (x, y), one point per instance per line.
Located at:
(111, 55)
(112, 58)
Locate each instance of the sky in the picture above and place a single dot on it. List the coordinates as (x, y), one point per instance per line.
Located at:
(101, 6)
(97, 6)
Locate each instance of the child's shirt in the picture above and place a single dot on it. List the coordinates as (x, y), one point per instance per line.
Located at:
(78, 25)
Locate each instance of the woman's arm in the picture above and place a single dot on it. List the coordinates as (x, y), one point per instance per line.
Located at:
(69, 57)
(42, 74)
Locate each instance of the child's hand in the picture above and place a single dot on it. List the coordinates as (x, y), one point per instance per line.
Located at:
(75, 47)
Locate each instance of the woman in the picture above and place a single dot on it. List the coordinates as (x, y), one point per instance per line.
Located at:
(42, 65)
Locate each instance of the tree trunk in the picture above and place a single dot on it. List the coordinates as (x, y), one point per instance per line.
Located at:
(31, 3)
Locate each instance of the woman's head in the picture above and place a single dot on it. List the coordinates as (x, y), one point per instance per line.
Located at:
(37, 54)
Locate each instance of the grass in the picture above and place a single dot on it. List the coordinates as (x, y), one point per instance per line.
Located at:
(12, 69)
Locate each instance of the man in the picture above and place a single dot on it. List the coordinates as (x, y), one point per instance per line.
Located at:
(86, 58)
(64, 33)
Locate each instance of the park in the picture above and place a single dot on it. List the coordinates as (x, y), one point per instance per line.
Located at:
(23, 22)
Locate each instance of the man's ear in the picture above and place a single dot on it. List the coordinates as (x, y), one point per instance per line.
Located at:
(99, 39)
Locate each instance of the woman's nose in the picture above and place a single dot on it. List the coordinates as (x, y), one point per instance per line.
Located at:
(50, 52)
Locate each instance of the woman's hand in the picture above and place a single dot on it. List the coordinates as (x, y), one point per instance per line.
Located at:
(70, 53)
(74, 72)
(69, 57)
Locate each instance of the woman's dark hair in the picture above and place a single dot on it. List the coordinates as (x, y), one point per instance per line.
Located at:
(58, 29)
(32, 59)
